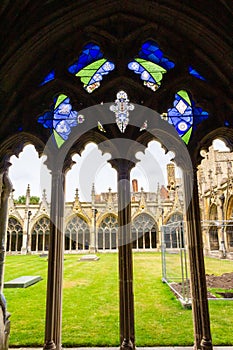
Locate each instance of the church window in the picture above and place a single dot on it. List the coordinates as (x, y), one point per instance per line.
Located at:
(61, 119)
(14, 235)
(40, 235)
(107, 233)
(143, 232)
(91, 66)
(193, 72)
(151, 65)
(77, 234)
(184, 115)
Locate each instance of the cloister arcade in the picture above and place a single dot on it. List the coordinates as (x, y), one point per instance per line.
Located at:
(119, 74)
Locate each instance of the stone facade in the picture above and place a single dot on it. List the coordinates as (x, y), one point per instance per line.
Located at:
(92, 226)
(216, 201)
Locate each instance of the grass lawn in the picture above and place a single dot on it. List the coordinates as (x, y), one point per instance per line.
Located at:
(91, 303)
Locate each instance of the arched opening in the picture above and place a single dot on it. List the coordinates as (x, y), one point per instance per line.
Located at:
(213, 230)
(14, 236)
(40, 235)
(107, 233)
(77, 234)
(144, 232)
(195, 69)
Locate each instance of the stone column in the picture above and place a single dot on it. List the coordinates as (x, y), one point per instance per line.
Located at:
(5, 190)
(197, 267)
(127, 340)
(55, 265)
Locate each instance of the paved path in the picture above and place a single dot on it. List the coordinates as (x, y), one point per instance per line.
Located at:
(137, 348)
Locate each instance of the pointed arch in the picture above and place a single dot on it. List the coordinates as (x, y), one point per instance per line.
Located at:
(14, 235)
(77, 233)
(144, 232)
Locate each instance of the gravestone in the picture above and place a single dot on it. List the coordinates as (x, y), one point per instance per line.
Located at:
(22, 282)
(89, 257)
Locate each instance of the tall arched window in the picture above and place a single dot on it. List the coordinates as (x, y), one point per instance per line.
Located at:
(173, 235)
(14, 235)
(77, 234)
(144, 232)
(213, 230)
(40, 235)
(107, 233)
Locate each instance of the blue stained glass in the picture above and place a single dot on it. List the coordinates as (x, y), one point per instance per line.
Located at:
(193, 72)
(184, 115)
(91, 53)
(48, 77)
(151, 65)
(151, 51)
(226, 123)
(60, 119)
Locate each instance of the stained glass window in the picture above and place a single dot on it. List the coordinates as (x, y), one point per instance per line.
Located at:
(60, 119)
(151, 65)
(91, 66)
(184, 115)
(193, 72)
(50, 76)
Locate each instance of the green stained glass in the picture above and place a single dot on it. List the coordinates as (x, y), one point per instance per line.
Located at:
(155, 70)
(187, 136)
(185, 96)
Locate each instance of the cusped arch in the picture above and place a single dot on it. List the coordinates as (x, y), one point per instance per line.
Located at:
(144, 231)
(15, 144)
(40, 234)
(173, 235)
(14, 235)
(77, 233)
(107, 231)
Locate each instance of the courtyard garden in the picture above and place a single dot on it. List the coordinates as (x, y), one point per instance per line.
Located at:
(91, 303)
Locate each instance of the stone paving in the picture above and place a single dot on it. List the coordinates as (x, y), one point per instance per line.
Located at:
(138, 348)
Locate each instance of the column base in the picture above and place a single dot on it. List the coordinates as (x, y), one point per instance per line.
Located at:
(50, 345)
(127, 344)
(206, 344)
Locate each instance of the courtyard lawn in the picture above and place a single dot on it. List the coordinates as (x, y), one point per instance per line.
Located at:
(90, 303)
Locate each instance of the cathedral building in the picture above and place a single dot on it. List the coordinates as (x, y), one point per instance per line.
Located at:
(215, 178)
(119, 74)
(92, 226)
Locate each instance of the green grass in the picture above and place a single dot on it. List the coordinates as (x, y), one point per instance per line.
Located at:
(91, 303)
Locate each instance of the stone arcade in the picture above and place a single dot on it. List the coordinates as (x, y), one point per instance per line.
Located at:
(62, 58)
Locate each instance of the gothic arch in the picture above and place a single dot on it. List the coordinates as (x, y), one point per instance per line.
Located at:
(15, 144)
(39, 234)
(144, 231)
(77, 233)
(36, 38)
(107, 227)
(14, 235)
(173, 235)
(229, 225)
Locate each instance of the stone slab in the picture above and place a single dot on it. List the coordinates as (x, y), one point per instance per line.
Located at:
(22, 282)
(89, 257)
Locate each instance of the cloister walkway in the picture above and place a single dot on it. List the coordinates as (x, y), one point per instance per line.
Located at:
(138, 348)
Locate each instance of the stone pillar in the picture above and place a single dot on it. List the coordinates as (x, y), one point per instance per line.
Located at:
(5, 190)
(197, 267)
(127, 338)
(55, 265)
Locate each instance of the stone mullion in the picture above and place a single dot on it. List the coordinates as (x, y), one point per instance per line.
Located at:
(197, 269)
(43, 242)
(37, 240)
(150, 239)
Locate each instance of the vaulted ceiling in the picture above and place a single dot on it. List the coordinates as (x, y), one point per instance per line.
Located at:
(38, 36)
